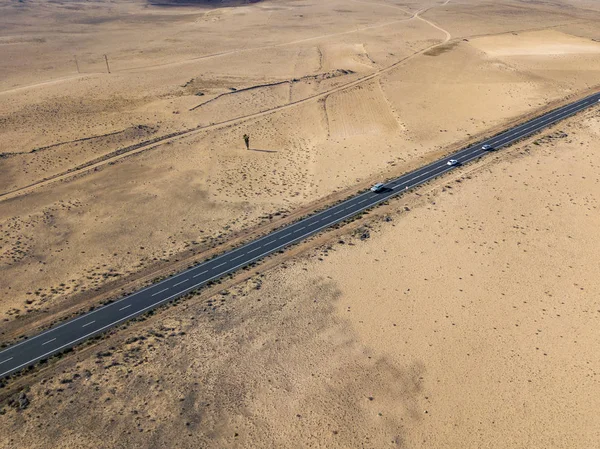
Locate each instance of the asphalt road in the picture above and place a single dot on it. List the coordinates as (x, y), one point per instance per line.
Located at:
(72, 332)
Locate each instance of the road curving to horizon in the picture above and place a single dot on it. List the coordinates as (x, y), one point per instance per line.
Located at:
(72, 332)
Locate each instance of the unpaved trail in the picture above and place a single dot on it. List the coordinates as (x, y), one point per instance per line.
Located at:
(45, 83)
(418, 16)
(215, 55)
(388, 5)
(174, 136)
(266, 47)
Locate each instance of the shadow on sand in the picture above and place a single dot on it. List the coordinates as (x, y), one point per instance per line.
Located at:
(263, 151)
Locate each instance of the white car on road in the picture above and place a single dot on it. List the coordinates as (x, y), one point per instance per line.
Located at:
(487, 147)
(377, 187)
(452, 162)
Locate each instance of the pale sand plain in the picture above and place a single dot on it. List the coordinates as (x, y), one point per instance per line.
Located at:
(469, 318)
(292, 69)
(289, 364)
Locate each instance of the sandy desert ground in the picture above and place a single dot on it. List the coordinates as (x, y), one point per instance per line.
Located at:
(468, 319)
(109, 175)
(333, 96)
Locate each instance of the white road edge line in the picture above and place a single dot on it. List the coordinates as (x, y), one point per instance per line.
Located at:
(188, 289)
(139, 312)
(579, 104)
(546, 124)
(540, 124)
(552, 114)
(351, 199)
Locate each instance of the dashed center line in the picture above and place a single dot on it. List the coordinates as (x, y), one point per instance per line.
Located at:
(537, 123)
(314, 224)
(158, 293)
(179, 283)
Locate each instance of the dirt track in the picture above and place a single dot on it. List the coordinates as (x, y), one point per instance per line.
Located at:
(144, 146)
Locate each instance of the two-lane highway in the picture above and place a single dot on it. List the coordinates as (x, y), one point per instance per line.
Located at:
(72, 332)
